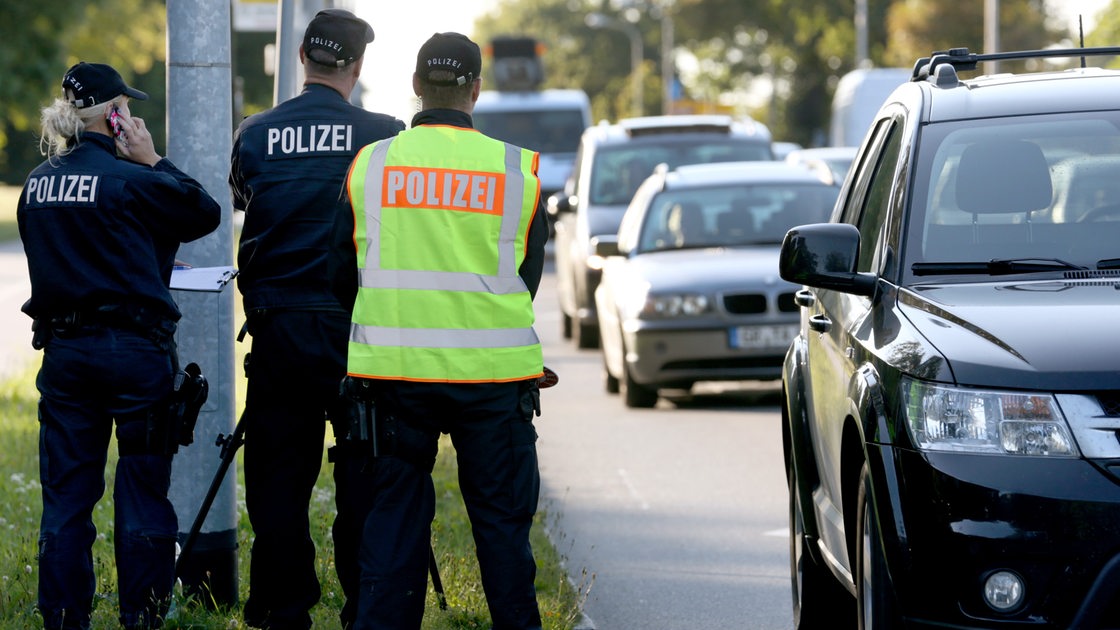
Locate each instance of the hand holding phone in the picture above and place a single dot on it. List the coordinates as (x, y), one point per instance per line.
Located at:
(114, 118)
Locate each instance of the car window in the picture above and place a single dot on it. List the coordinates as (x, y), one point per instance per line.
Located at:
(872, 219)
(545, 131)
(619, 170)
(729, 216)
(1038, 187)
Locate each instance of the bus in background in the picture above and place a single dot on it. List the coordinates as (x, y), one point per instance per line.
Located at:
(549, 122)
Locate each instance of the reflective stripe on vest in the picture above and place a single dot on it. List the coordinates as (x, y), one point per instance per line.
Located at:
(507, 280)
(431, 352)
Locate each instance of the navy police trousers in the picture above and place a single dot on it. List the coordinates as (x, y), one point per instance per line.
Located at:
(491, 428)
(90, 377)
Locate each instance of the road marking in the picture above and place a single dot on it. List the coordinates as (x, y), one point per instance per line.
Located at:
(777, 533)
(631, 489)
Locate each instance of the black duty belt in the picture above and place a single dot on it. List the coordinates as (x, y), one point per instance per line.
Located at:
(154, 324)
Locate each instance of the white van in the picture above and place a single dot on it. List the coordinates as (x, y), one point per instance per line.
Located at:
(857, 99)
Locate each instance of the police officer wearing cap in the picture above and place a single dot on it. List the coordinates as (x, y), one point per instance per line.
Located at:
(101, 220)
(297, 282)
(450, 236)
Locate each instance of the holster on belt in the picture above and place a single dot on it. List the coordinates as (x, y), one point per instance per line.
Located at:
(189, 392)
(360, 417)
(169, 424)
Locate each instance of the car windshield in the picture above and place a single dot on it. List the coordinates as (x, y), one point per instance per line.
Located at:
(544, 131)
(728, 216)
(619, 170)
(1042, 192)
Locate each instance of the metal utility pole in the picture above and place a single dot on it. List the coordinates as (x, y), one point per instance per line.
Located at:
(199, 108)
(862, 56)
(290, 24)
(991, 32)
(667, 63)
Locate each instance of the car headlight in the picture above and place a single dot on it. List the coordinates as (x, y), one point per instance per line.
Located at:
(946, 418)
(675, 305)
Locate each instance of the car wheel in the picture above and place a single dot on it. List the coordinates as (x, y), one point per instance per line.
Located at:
(635, 395)
(585, 335)
(565, 325)
(818, 599)
(610, 383)
(875, 597)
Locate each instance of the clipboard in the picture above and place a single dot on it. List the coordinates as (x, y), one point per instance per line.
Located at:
(212, 279)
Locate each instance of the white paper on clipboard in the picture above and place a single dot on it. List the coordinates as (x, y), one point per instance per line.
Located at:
(201, 278)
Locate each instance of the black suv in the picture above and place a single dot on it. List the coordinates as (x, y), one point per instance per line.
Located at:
(611, 162)
(951, 417)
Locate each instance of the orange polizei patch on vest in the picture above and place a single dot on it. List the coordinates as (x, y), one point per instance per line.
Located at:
(442, 189)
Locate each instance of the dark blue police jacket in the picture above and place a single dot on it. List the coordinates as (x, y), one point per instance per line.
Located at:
(100, 230)
(287, 173)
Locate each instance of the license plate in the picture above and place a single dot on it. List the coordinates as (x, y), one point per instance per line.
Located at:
(769, 337)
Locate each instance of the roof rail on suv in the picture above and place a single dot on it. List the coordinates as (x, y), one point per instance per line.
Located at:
(960, 59)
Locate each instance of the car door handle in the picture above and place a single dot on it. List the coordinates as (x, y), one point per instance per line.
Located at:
(804, 298)
(820, 323)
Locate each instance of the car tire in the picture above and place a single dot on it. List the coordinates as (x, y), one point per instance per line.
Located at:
(818, 599)
(586, 336)
(565, 325)
(875, 600)
(634, 395)
(610, 383)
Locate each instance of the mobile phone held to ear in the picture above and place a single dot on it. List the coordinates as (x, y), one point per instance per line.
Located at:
(114, 118)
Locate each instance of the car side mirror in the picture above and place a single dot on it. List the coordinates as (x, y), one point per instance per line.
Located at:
(824, 255)
(605, 245)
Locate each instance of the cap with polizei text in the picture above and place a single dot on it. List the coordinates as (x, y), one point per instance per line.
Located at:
(92, 83)
(336, 37)
(450, 52)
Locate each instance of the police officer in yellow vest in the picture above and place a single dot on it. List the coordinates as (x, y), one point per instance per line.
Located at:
(450, 241)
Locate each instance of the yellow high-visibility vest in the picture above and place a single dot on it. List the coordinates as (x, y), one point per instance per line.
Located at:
(441, 218)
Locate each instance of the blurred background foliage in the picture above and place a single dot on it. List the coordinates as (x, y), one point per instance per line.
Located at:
(775, 60)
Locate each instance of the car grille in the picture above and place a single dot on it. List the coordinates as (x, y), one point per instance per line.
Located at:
(755, 303)
(1095, 421)
(1110, 403)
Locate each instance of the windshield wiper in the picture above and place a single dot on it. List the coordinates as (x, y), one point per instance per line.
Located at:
(995, 267)
(1109, 263)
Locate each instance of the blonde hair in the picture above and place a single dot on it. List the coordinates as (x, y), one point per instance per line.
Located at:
(62, 122)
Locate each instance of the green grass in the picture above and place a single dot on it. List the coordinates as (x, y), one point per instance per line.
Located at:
(559, 600)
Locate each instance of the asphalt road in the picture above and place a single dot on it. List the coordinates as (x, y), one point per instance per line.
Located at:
(16, 353)
(673, 517)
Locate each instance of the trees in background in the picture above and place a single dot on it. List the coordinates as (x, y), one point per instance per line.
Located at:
(42, 38)
(776, 60)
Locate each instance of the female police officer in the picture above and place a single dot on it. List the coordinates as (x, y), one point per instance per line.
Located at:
(100, 234)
